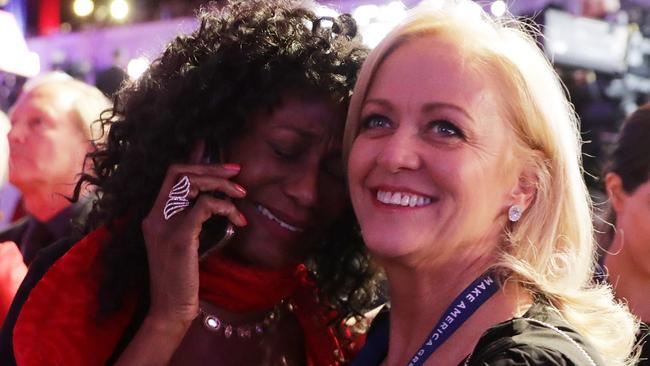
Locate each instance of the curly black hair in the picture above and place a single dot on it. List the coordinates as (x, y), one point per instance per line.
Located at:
(243, 57)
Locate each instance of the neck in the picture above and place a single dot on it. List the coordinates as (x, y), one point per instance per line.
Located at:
(630, 282)
(418, 306)
(46, 202)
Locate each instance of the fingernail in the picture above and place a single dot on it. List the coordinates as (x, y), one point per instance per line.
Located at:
(240, 188)
(243, 219)
(231, 166)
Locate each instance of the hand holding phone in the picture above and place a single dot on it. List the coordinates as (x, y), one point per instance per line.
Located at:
(217, 231)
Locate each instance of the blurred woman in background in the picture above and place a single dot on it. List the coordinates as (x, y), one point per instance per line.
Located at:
(627, 239)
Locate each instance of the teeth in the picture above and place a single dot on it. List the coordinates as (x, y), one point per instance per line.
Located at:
(402, 199)
(265, 212)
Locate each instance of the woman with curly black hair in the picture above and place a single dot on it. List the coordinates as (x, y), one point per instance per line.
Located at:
(231, 139)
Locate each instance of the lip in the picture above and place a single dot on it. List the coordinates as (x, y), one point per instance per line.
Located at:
(298, 223)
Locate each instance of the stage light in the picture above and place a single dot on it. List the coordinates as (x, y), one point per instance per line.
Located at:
(119, 9)
(137, 67)
(83, 8)
(498, 8)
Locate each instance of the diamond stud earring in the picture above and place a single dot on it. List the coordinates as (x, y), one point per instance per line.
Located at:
(514, 213)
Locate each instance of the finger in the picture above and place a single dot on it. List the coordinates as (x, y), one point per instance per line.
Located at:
(176, 172)
(207, 206)
(204, 183)
(217, 170)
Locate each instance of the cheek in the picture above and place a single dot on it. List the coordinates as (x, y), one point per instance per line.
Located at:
(251, 177)
(39, 148)
(639, 218)
(359, 163)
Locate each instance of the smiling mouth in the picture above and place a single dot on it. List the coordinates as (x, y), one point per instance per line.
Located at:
(402, 199)
(266, 213)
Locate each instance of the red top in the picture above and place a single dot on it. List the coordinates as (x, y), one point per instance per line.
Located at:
(12, 272)
(58, 323)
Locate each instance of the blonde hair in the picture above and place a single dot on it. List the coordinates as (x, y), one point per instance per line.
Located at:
(551, 249)
(88, 104)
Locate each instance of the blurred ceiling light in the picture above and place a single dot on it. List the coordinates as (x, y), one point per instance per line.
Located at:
(83, 8)
(498, 8)
(326, 11)
(137, 67)
(15, 57)
(375, 21)
(373, 33)
(101, 13)
(364, 14)
(393, 13)
(433, 4)
(119, 9)
(470, 10)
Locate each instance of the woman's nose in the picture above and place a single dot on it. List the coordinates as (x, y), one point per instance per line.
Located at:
(302, 186)
(399, 152)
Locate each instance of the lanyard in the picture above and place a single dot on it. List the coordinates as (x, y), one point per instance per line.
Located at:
(463, 306)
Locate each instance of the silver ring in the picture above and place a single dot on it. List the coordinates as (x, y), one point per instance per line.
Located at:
(177, 201)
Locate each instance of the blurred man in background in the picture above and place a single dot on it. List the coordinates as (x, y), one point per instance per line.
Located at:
(12, 268)
(52, 131)
(9, 195)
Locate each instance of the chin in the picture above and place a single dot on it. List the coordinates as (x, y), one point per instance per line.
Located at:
(389, 246)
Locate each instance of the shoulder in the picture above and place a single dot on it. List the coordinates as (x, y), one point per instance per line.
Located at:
(14, 232)
(37, 269)
(540, 337)
(375, 348)
(70, 322)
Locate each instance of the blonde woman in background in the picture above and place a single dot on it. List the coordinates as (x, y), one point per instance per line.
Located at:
(463, 160)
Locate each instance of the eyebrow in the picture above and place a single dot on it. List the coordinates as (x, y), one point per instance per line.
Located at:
(428, 107)
(299, 131)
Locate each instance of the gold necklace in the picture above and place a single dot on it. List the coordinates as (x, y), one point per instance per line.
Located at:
(216, 325)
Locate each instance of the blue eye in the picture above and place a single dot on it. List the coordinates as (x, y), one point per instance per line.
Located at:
(376, 121)
(446, 129)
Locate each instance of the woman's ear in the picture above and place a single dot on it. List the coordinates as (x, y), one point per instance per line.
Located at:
(615, 192)
(525, 190)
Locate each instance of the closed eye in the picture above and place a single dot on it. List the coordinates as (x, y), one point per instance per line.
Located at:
(34, 122)
(284, 154)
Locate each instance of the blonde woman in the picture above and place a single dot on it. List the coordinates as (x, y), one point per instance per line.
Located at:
(464, 170)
